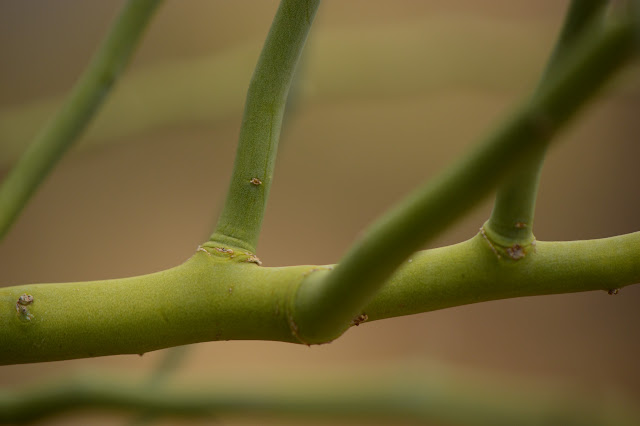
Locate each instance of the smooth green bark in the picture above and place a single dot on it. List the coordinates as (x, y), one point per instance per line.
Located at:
(75, 115)
(214, 296)
(511, 220)
(241, 219)
(325, 307)
(207, 298)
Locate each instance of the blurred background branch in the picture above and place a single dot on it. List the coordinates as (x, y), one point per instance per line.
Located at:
(211, 88)
(413, 393)
(84, 101)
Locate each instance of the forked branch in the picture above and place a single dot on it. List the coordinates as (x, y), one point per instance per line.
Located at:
(220, 294)
(326, 303)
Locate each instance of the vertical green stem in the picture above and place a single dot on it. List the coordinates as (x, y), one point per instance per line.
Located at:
(511, 220)
(241, 219)
(81, 106)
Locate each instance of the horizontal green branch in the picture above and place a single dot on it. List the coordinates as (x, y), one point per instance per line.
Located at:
(74, 116)
(219, 295)
(398, 397)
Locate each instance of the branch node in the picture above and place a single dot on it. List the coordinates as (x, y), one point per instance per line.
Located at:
(200, 248)
(224, 250)
(503, 248)
(22, 307)
(253, 259)
(359, 319)
(493, 248)
(516, 252)
(295, 331)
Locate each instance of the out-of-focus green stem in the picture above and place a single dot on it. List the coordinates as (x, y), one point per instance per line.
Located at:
(178, 93)
(173, 358)
(325, 306)
(74, 116)
(511, 220)
(241, 219)
(399, 396)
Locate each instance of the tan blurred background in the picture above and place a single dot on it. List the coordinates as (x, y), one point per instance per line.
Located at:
(389, 93)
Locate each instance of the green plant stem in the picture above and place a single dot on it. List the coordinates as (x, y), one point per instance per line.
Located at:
(241, 219)
(325, 307)
(216, 297)
(86, 98)
(443, 399)
(511, 220)
(171, 361)
(399, 396)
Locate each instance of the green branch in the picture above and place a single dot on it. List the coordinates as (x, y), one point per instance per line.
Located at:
(241, 219)
(220, 294)
(472, 272)
(74, 116)
(327, 303)
(442, 399)
(215, 297)
(511, 220)
(172, 360)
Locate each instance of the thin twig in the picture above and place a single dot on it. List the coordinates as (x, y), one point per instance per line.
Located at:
(400, 396)
(511, 220)
(241, 218)
(75, 115)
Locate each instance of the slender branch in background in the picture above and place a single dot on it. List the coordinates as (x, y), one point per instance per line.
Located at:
(171, 361)
(241, 219)
(511, 220)
(327, 303)
(345, 51)
(74, 116)
(400, 396)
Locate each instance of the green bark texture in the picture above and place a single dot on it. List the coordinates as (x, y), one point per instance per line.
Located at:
(511, 220)
(221, 296)
(241, 219)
